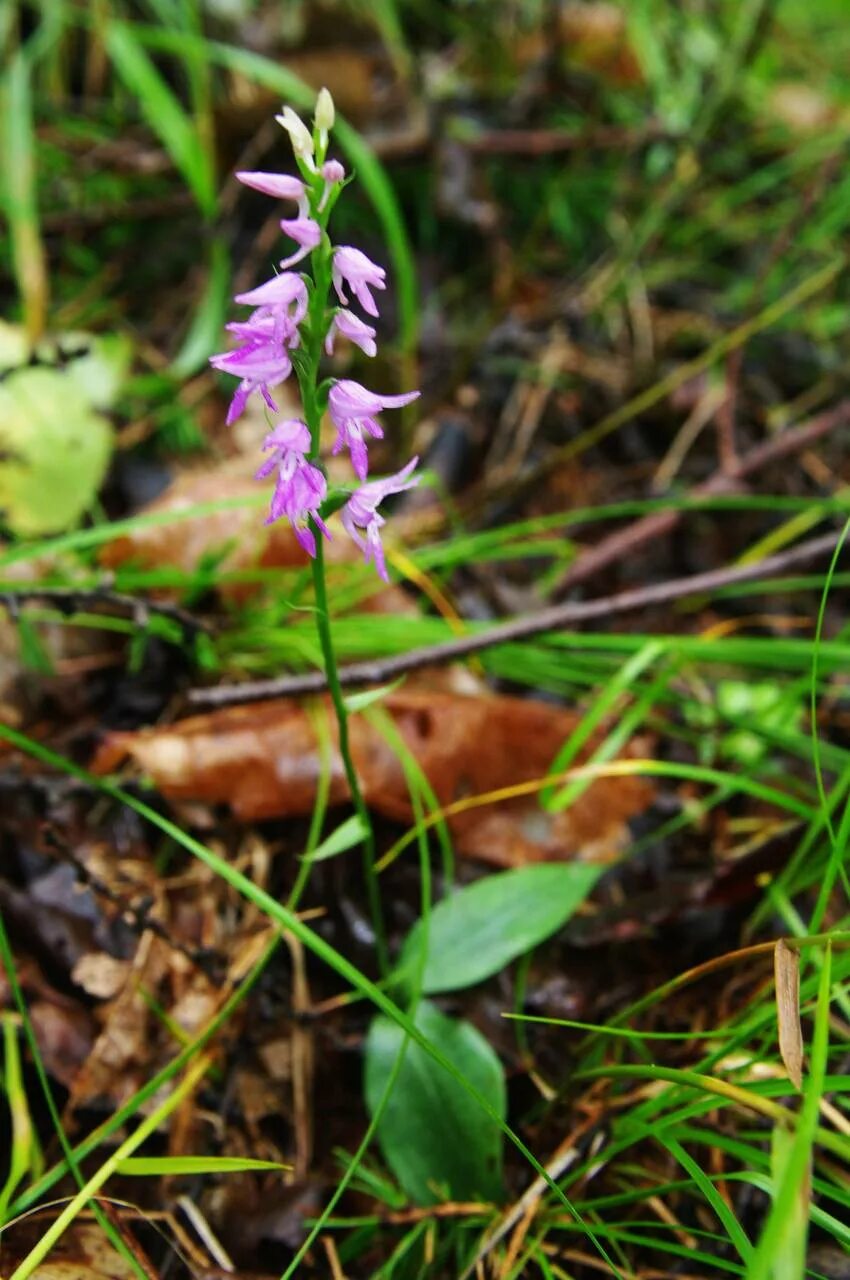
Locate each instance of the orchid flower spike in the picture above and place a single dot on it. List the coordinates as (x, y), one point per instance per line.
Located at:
(265, 343)
(360, 513)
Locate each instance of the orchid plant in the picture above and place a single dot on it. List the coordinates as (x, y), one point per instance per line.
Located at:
(295, 319)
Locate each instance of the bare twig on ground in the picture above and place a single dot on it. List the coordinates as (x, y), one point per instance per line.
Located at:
(555, 618)
(545, 142)
(72, 599)
(625, 541)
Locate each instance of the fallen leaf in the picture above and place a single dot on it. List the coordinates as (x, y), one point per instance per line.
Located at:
(263, 761)
(100, 975)
(235, 538)
(595, 37)
(786, 969)
(81, 1253)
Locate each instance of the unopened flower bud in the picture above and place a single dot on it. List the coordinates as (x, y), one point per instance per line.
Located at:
(332, 171)
(299, 134)
(324, 112)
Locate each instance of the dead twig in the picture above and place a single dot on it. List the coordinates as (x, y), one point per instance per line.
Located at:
(547, 142)
(555, 618)
(617, 545)
(72, 599)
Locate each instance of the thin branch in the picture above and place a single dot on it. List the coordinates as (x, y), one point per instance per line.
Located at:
(72, 599)
(623, 542)
(555, 618)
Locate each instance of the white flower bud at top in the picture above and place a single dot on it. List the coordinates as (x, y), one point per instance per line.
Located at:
(299, 134)
(325, 113)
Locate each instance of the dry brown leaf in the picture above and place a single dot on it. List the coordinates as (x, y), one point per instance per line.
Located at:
(119, 1060)
(100, 974)
(595, 37)
(263, 761)
(82, 1253)
(186, 543)
(248, 543)
(786, 969)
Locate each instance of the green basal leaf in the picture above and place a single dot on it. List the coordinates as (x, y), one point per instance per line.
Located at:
(436, 1139)
(477, 930)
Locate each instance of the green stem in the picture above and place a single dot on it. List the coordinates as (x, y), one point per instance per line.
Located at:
(323, 624)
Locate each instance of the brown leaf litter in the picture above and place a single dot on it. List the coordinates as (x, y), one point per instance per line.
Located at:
(263, 761)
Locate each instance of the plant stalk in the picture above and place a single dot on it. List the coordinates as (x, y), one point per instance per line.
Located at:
(335, 688)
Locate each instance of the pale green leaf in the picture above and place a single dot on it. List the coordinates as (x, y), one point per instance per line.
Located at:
(368, 697)
(54, 451)
(348, 834)
(435, 1137)
(174, 1166)
(477, 930)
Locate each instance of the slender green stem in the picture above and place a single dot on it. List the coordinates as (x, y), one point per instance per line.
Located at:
(323, 624)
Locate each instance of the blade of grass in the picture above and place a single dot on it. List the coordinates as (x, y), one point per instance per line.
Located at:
(178, 1166)
(711, 1195)
(163, 112)
(20, 200)
(555, 801)
(835, 866)
(24, 1141)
